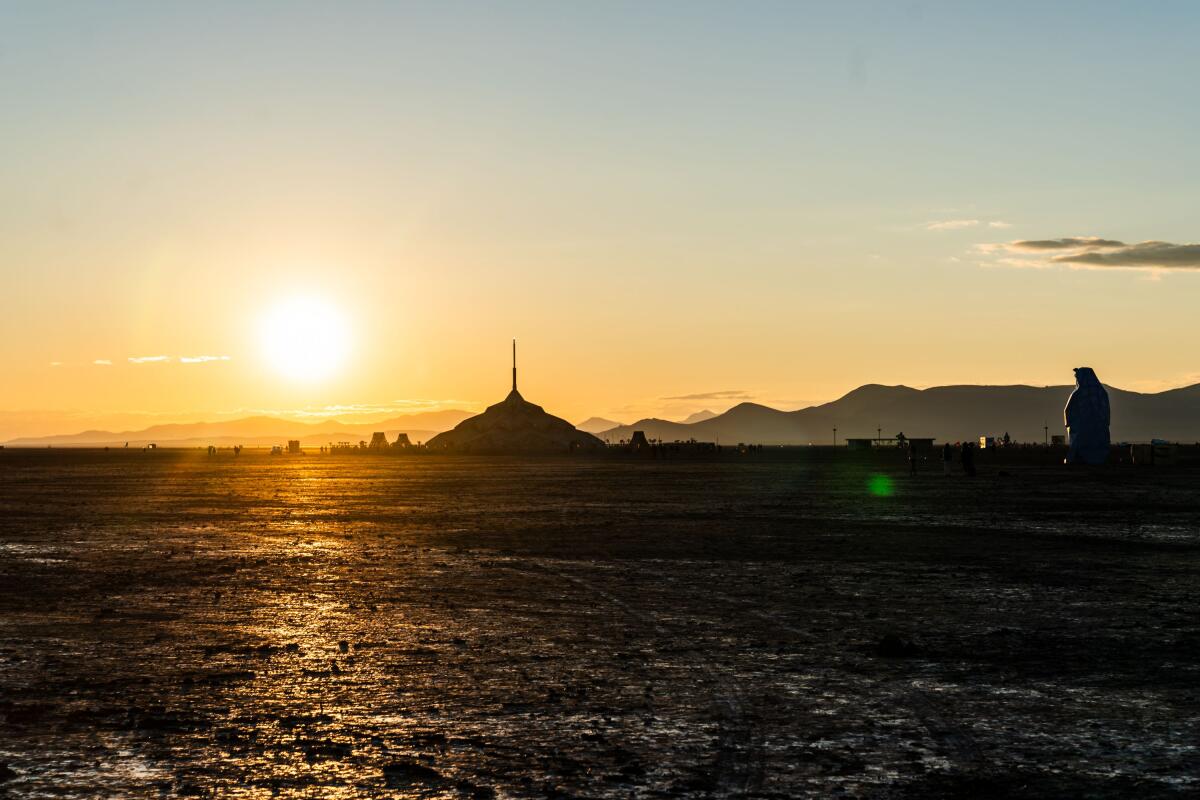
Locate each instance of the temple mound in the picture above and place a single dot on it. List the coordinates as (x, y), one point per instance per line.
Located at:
(512, 427)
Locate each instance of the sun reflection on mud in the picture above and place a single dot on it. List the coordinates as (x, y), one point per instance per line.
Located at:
(286, 628)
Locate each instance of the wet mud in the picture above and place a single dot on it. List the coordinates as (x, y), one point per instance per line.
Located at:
(178, 625)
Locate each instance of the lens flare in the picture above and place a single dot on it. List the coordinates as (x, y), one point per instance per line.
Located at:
(880, 486)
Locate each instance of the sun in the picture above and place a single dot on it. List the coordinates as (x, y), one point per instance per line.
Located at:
(305, 339)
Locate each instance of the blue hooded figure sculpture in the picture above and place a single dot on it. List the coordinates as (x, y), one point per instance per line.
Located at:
(1087, 419)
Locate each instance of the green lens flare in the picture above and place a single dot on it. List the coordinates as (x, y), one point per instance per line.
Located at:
(880, 486)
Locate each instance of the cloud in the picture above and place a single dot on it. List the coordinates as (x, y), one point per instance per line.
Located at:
(1094, 252)
(951, 224)
(148, 359)
(374, 411)
(201, 359)
(102, 362)
(960, 224)
(1143, 255)
(1068, 243)
(728, 394)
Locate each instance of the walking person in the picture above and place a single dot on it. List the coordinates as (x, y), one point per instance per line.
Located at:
(968, 459)
(912, 457)
(947, 457)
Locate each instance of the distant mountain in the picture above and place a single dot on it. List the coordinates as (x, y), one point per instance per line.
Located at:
(947, 413)
(699, 416)
(596, 424)
(256, 431)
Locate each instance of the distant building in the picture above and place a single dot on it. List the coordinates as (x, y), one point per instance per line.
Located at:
(402, 441)
(919, 442)
(638, 441)
(293, 446)
(378, 440)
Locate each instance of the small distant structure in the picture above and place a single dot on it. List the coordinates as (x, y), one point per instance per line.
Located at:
(293, 447)
(1058, 440)
(639, 442)
(378, 441)
(402, 441)
(276, 450)
(899, 441)
(987, 442)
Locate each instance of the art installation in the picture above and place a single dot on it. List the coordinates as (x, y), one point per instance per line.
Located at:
(514, 426)
(1087, 417)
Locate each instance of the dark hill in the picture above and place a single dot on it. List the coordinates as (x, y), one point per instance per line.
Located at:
(947, 413)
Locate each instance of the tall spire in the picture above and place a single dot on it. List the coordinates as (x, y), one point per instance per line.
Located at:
(514, 365)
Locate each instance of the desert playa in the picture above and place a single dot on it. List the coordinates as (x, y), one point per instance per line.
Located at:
(181, 625)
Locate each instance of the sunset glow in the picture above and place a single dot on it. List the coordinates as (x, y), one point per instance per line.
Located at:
(675, 209)
(305, 339)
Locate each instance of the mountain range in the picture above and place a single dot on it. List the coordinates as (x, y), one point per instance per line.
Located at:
(256, 432)
(947, 413)
(597, 424)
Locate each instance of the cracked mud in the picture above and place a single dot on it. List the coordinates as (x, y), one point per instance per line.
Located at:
(178, 625)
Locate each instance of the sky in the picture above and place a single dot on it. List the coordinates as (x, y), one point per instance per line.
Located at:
(672, 206)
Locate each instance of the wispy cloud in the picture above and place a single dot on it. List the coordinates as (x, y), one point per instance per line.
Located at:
(355, 410)
(961, 224)
(1067, 243)
(1094, 252)
(951, 224)
(727, 394)
(102, 362)
(201, 359)
(148, 359)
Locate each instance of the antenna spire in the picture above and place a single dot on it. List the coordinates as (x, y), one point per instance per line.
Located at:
(514, 365)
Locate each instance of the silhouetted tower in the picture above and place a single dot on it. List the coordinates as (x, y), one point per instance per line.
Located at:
(514, 365)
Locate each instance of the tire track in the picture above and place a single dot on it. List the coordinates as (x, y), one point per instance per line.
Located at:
(739, 769)
(927, 709)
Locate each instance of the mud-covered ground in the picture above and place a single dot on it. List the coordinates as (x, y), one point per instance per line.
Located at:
(173, 624)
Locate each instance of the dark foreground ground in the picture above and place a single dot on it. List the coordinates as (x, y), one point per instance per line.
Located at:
(178, 625)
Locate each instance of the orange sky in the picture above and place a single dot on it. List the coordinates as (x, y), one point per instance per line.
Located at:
(713, 207)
